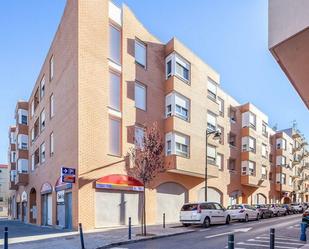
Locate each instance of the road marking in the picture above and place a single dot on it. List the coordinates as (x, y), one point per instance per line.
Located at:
(251, 244)
(243, 230)
(278, 238)
(277, 242)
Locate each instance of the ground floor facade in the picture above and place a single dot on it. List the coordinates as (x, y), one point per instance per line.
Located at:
(109, 198)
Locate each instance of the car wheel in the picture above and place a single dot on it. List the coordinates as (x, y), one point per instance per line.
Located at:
(228, 220)
(272, 215)
(186, 225)
(246, 218)
(278, 214)
(257, 217)
(206, 222)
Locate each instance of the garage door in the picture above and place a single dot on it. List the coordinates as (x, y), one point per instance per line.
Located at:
(212, 195)
(170, 198)
(113, 208)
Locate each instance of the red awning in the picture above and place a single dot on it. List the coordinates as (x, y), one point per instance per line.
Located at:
(121, 182)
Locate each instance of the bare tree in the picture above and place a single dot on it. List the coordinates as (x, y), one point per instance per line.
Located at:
(147, 161)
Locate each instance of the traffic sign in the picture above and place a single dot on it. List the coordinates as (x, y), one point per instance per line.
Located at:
(67, 175)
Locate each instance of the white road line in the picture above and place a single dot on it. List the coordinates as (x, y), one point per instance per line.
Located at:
(259, 245)
(278, 238)
(277, 242)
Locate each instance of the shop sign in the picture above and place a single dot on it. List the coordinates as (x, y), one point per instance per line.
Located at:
(68, 175)
(60, 196)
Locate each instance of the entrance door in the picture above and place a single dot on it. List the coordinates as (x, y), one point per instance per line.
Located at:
(24, 211)
(44, 210)
(68, 210)
(18, 211)
(49, 210)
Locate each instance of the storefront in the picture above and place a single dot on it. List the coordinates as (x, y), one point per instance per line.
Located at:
(64, 204)
(24, 203)
(46, 206)
(117, 197)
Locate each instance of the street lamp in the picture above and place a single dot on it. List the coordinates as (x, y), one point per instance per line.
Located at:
(216, 135)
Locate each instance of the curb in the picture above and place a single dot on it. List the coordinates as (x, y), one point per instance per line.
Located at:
(144, 239)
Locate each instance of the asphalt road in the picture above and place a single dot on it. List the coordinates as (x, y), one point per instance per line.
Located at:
(250, 235)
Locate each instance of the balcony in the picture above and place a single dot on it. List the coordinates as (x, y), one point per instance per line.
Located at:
(182, 165)
(12, 185)
(22, 179)
(253, 181)
(283, 187)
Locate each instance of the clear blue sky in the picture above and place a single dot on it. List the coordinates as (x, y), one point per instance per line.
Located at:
(231, 36)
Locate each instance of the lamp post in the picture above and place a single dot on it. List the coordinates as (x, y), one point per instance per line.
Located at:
(217, 135)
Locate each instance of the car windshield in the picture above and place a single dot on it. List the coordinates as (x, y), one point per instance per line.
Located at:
(189, 207)
(235, 207)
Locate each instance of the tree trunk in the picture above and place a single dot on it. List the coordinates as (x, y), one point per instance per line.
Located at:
(144, 211)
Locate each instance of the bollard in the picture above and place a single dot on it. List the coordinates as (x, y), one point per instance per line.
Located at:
(303, 227)
(6, 238)
(163, 220)
(130, 228)
(230, 242)
(272, 239)
(81, 235)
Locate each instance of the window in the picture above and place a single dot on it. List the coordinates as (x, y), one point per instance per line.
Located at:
(42, 87)
(22, 165)
(35, 130)
(232, 139)
(140, 96)
(42, 120)
(283, 179)
(248, 168)
(232, 115)
(290, 181)
(177, 105)
(13, 156)
(177, 144)
(140, 53)
(211, 154)
(264, 129)
(220, 161)
(280, 160)
(248, 144)
(51, 68)
(22, 141)
(12, 137)
(232, 164)
(249, 120)
(212, 89)
(23, 117)
(114, 91)
(114, 137)
(52, 106)
(115, 44)
(264, 151)
(32, 108)
(281, 143)
(264, 172)
(291, 148)
(42, 153)
(221, 106)
(51, 145)
(176, 65)
(211, 121)
(32, 162)
(1, 199)
(36, 157)
(221, 130)
(139, 136)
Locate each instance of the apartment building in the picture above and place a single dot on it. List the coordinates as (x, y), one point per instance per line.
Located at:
(289, 39)
(106, 78)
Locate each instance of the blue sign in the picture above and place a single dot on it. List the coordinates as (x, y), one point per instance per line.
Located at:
(67, 171)
(67, 175)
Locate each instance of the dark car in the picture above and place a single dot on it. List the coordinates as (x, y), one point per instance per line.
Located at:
(264, 211)
(306, 216)
(289, 209)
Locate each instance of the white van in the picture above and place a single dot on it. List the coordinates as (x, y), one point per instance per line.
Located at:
(205, 213)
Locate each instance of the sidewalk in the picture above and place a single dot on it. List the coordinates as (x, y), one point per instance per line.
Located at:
(93, 239)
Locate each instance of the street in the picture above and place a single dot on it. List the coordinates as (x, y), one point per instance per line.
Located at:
(251, 235)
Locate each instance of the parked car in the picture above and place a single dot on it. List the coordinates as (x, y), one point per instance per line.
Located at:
(289, 209)
(205, 213)
(306, 216)
(264, 211)
(277, 209)
(243, 212)
(297, 207)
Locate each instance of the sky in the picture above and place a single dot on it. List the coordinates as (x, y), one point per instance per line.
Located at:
(230, 36)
